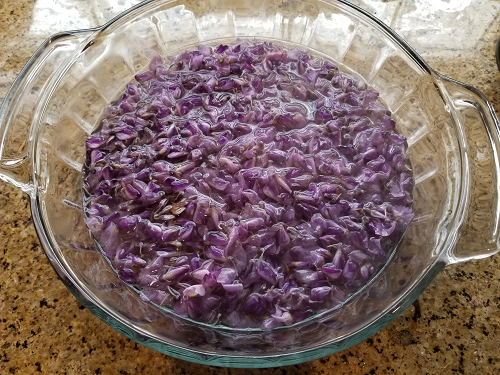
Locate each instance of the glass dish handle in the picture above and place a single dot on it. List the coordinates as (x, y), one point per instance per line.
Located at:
(22, 104)
(479, 218)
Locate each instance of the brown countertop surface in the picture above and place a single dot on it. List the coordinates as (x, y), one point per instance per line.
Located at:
(453, 327)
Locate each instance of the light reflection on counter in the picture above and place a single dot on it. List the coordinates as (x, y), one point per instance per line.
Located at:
(444, 28)
(53, 16)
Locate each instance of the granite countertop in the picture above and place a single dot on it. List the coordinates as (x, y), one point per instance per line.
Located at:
(453, 327)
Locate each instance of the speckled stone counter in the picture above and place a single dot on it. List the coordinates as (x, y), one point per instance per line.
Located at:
(453, 327)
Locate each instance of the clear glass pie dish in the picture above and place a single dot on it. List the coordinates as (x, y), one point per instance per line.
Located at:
(452, 132)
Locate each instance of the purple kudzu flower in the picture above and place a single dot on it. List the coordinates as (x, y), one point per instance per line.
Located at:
(219, 184)
(351, 270)
(248, 185)
(216, 238)
(236, 287)
(331, 271)
(254, 305)
(127, 223)
(226, 276)
(267, 272)
(320, 293)
(169, 234)
(95, 142)
(215, 253)
(128, 275)
(194, 291)
(175, 273)
(254, 224)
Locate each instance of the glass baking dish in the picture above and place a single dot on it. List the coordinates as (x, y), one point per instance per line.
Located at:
(452, 132)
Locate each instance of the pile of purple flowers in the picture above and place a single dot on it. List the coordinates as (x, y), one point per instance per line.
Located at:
(249, 185)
